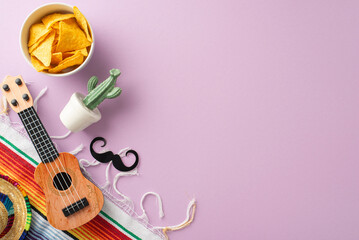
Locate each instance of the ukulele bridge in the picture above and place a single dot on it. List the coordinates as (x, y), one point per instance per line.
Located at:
(75, 207)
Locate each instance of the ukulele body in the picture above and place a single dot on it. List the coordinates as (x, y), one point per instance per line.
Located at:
(79, 188)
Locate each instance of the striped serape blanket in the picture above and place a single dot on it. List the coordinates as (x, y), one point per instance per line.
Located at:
(18, 160)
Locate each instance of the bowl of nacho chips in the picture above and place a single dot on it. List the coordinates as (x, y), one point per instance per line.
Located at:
(57, 40)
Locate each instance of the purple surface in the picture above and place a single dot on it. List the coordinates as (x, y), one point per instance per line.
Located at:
(250, 106)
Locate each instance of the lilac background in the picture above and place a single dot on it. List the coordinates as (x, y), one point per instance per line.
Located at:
(250, 106)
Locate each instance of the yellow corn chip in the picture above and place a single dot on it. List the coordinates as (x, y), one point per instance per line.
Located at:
(67, 54)
(76, 59)
(33, 47)
(37, 64)
(53, 48)
(82, 51)
(36, 32)
(51, 19)
(81, 20)
(38, 42)
(56, 58)
(71, 37)
(55, 26)
(56, 40)
(43, 51)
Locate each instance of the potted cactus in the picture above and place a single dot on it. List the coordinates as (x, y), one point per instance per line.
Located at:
(81, 111)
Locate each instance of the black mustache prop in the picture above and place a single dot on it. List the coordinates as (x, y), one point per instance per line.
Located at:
(110, 156)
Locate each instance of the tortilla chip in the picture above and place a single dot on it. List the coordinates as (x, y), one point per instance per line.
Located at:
(67, 54)
(37, 64)
(56, 40)
(55, 26)
(37, 31)
(71, 37)
(81, 20)
(76, 59)
(39, 41)
(33, 47)
(56, 58)
(82, 51)
(51, 19)
(43, 51)
(53, 49)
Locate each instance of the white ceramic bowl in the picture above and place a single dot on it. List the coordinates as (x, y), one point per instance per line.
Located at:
(35, 17)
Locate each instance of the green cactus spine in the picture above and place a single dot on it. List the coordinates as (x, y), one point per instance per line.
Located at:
(105, 90)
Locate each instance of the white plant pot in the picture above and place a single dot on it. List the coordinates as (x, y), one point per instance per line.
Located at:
(76, 116)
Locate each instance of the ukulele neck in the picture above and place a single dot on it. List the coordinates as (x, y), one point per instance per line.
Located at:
(38, 135)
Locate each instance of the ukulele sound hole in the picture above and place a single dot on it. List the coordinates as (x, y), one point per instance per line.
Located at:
(62, 181)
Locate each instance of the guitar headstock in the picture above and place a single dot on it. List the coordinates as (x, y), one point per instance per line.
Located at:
(16, 93)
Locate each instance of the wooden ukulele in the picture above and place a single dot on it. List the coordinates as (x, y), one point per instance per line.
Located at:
(71, 199)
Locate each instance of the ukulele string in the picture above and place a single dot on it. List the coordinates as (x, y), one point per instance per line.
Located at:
(68, 178)
(62, 176)
(44, 164)
(61, 158)
(46, 148)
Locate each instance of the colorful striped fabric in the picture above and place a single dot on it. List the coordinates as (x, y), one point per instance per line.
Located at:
(111, 223)
(16, 168)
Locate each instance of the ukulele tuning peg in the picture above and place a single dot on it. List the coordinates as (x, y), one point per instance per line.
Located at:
(25, 97)
(14, 102)
(6, 87)
(18, 81)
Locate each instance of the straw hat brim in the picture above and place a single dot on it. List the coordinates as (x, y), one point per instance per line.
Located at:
(21, 207)
(3, 217)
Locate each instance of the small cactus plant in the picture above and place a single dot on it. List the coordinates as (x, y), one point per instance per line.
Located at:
(105, 90)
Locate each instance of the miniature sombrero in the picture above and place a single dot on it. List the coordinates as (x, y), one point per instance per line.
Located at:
(15, 210)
